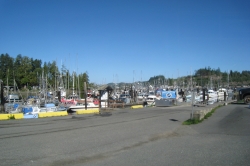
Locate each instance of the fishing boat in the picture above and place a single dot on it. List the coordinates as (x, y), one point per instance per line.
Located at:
(125, 98)
(71, 100)
(12, 102)
(61, 87)
(35, 109)
(212, 100)
(212, 94)
(142, 96)
(222, 92)
(81, 106)
(151, 100)
(62, 92)
(196, 98)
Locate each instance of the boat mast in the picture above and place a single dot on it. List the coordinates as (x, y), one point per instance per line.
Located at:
(14, 90)
(46, 92)
(73, 84)
(79, 92)
(8, 83)
(191, 80)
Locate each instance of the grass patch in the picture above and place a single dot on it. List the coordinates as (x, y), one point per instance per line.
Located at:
(196, 121)
(240, 101)
(12, 117)
(208, 115)
(191, 121)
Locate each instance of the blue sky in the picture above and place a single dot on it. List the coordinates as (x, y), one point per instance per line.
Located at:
(129, 40)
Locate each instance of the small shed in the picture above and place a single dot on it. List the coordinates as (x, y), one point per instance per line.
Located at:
(102, 90)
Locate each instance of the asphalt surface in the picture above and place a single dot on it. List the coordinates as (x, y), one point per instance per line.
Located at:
(147, 136)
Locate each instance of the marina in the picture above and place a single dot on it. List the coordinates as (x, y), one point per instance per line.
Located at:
(66, 97)
(74, 104)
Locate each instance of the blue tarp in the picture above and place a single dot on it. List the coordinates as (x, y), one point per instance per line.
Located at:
(27, 110)
(16, 105)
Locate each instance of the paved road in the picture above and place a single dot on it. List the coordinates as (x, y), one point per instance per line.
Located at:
(148, 136)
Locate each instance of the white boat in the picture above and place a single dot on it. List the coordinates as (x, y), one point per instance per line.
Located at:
(71, 100)
(34, 109)
(62, 91)
(12, 107)
(81, 106)
(212, 100)
(142, 97)
(12, 102)
(197, 98)
(126, 98)
(151, 100)
(211, 93)
(61, 87)
(222, 98)
(222, 92)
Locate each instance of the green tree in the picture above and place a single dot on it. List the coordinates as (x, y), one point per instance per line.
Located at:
(23, 70)
(52, 73)
(6, 72)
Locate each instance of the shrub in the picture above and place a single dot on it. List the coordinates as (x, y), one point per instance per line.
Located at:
(195, 121)
(191, 121)
(12, 117)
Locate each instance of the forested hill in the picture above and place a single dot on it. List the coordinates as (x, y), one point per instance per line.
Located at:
(27, 71)
(205, 77)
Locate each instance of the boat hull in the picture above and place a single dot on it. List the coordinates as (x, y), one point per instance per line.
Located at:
(83, 109)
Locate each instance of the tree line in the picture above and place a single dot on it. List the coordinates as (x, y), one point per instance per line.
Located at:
(206, 77)
(26, 73)
(229, 78)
